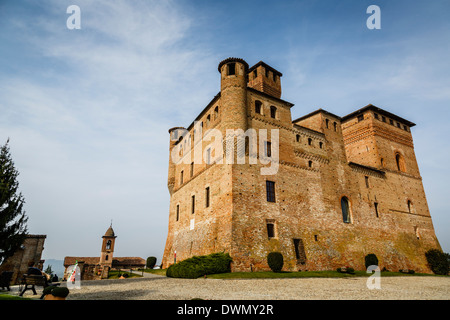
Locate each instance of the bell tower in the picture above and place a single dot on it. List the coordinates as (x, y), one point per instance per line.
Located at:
(107, 252)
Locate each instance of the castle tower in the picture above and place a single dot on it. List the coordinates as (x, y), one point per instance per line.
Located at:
(233, 88)
(107, 252)
(264, 78)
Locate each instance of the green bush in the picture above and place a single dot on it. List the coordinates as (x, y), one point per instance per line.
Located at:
(438, 261)
(151, 261)
(198, 266)
(370, 259)
(275, 261)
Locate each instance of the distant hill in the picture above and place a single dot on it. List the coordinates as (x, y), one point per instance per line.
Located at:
(57, 266)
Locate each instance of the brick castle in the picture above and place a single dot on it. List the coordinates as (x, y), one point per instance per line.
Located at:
(344, 186)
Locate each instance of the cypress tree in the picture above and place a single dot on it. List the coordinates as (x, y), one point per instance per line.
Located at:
(13, 220)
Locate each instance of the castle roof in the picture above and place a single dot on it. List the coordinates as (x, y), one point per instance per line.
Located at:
(266, 66)
(380, 111)
(315, 112)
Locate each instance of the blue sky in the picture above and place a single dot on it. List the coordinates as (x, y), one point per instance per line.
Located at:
(87, 111)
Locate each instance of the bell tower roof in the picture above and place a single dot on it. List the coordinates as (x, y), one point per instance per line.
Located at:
(109, 232)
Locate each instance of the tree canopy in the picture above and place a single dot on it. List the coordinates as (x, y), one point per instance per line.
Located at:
(13, 220)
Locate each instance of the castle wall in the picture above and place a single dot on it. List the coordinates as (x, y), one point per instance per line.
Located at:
(322, 159)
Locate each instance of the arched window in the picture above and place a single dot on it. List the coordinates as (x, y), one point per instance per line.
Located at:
(216, 112)
(345, 206)
(273, 112)
(108, 245)
(258, 105)
(400, 162)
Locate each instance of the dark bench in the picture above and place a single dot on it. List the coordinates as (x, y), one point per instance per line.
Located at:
(5, 279)
(32, 280)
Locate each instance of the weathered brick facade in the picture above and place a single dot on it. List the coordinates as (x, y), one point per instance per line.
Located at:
(364, 161)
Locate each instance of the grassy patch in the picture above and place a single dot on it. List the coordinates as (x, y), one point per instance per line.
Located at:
(161, 272)
(304, 274)
(6, 296)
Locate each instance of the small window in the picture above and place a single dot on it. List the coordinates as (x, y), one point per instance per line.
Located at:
(216, 112)
(273, 112)
(231, 69)
(383, 118)
(376, 209)
(382, 162)
(181, 177)
(316, 237)
(192, 169)
(274, 77)
(268, 151)
(375, 115)
(208, 156)
(327, 122)
(410, 207)
(106, 258)
(345, 206)
(178, 212)
(193, 205)
(391, 121)
(360, 117)
(258, 105)
(309, 141)
(207, 197)
(270, 191)
(366, 178)
(267, 73)
(310, 164)
(208, 119)
(255, 73)
(297, 138)
(320, 145)
(270, 230)
(405, 128)
(398, 125)
(335, 126)
(400, 162)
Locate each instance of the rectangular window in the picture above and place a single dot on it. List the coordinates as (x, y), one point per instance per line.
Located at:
(231, 69)
(376, 115)
(178, 212)
(207, 197)
(391, 121)
(270, 190)
(376, 209)
(270, 230)
(383, 118)
(255, 73)
(208, 156)
(181, 177)
(268, 151)
(193, 204)
(360, 117)
(192, 169)
(367, 181)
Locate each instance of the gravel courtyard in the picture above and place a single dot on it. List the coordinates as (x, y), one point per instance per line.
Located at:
(162, 288)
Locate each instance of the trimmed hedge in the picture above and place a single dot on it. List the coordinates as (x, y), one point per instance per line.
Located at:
(275, 261)
(198, 266)
(151, 261)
